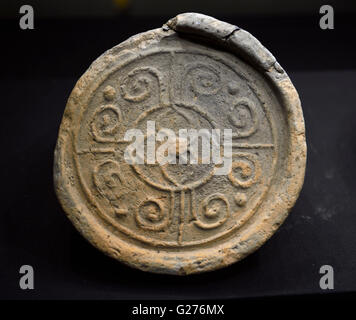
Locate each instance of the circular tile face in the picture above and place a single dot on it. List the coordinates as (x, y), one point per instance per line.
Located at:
(178, 155)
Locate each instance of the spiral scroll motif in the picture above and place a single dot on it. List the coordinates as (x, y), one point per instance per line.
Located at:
(213, 211)
(137, 86)
(109, 182)
(245, 170)
(152, 215)
(203, 79)
(106, 123)
(244, 118)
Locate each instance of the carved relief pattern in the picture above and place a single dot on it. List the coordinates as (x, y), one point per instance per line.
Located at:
(203, 79)
(245, 170)
(214, 210)
(106, 123)
(151, 214)
(137, 86)
(244, 118)
(109, 182)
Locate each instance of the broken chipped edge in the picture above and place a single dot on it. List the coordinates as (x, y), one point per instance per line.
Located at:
(223, 33)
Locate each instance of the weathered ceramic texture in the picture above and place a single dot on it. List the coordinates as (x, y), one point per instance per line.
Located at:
(194, 72)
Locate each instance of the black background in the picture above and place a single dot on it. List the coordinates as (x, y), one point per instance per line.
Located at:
(38, 70)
